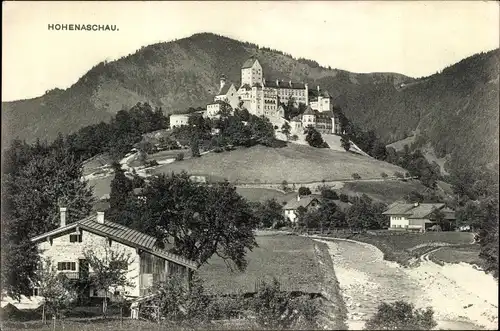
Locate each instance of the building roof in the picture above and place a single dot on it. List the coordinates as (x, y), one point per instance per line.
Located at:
(296, 119)
(304, 201)
(121, 234)
(248, 63)
(245, 87)
(307, 199)
(422, 210)
(309, 111)
(284, 84)
(225, 88)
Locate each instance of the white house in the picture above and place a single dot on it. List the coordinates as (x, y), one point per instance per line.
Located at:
(65, 247)
(417, 217)
(177, 120)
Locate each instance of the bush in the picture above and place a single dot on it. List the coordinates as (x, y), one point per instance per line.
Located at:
(284, 186)
(401, 315)
(304, 190)
(294, 137)
(398, 174)
(275, 309)
(356, 176)
(383, 175)
(152, 163)
(218, 150)
(179, 157)
(344, 198)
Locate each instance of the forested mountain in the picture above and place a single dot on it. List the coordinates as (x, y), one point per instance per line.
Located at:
(456, 110)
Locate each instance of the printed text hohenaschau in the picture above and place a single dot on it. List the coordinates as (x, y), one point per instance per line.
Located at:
(82, 27)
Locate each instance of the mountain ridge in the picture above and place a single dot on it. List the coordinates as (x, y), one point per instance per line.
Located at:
(185, 73)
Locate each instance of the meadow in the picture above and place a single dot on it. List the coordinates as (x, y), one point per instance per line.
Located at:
(294, 163)
(291, 259)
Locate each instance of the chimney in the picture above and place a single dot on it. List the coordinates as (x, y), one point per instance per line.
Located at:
(100, 217)
(62, 211)
(222, 81)
(298, 197)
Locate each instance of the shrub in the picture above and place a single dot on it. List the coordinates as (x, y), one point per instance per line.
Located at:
(179, 157)
(401, 315)
(276, 309)
(356, 176)
(284, 186)
(218, 150)
(344, 197)
(152, 163)
(304, 190)
(398, 174)
(294, 137)
(383, 175)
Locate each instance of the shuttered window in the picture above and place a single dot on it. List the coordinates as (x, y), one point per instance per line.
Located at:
(62, 266)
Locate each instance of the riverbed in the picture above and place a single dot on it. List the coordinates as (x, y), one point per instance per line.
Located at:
(462, 298)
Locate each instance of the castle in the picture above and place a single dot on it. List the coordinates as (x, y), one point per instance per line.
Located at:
(263, 97)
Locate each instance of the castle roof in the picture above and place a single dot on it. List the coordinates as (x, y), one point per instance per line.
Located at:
(248, 63)
(245, 87)
(284, 84)
(225, 88)
(309, 111)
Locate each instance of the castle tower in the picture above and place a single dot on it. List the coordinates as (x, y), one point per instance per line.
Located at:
(222, 82)
(251, 72)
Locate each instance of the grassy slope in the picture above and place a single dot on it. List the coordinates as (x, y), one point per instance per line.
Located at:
(289, 258)
(294, 163)
(386, 191)
(467, 254)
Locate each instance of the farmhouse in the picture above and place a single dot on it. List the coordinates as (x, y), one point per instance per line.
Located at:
(310, 203)
(418, 217)
(65, 247)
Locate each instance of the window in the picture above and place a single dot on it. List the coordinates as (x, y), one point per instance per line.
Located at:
(35, 291)
(62, 266)
(74, 238)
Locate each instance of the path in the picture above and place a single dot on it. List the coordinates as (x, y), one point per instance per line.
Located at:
(366, 280)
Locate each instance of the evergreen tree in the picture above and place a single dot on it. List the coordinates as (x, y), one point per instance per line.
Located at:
(121, 188)
(345, 142)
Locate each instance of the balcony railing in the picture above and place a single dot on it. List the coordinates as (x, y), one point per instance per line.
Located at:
(72, 275)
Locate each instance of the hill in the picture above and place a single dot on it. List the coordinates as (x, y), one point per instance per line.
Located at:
(455, 111)
(294, 163)
(173, 75)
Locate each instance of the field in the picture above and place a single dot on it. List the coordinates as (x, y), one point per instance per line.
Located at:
(291, 259)
(262, 194)
(468, 254)
(402, 247)
(385, 191)
(294, 163)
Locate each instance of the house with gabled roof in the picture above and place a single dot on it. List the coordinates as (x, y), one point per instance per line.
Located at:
(151, 261)
(309, 202)
(418, 216)
(227, 93)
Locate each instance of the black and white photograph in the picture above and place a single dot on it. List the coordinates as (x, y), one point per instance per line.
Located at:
(249, 165)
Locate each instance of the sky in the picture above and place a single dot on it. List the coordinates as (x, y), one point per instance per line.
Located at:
(415, 38)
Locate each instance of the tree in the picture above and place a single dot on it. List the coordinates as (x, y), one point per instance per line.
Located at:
(344, 197)
(401, 315)
(200, 219)
(345, 142)
(383, 175)
(110, 269)
(269, 213)
(121, 188)
(37, 180)
(54, 288)
(314, 139)
(285, 129)
(276, 309)
(304, 190)
(438, 217)
(488, 235)
(356, 176)
(284, 186)
(195, 148)
(364, 214)
(328, 193)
